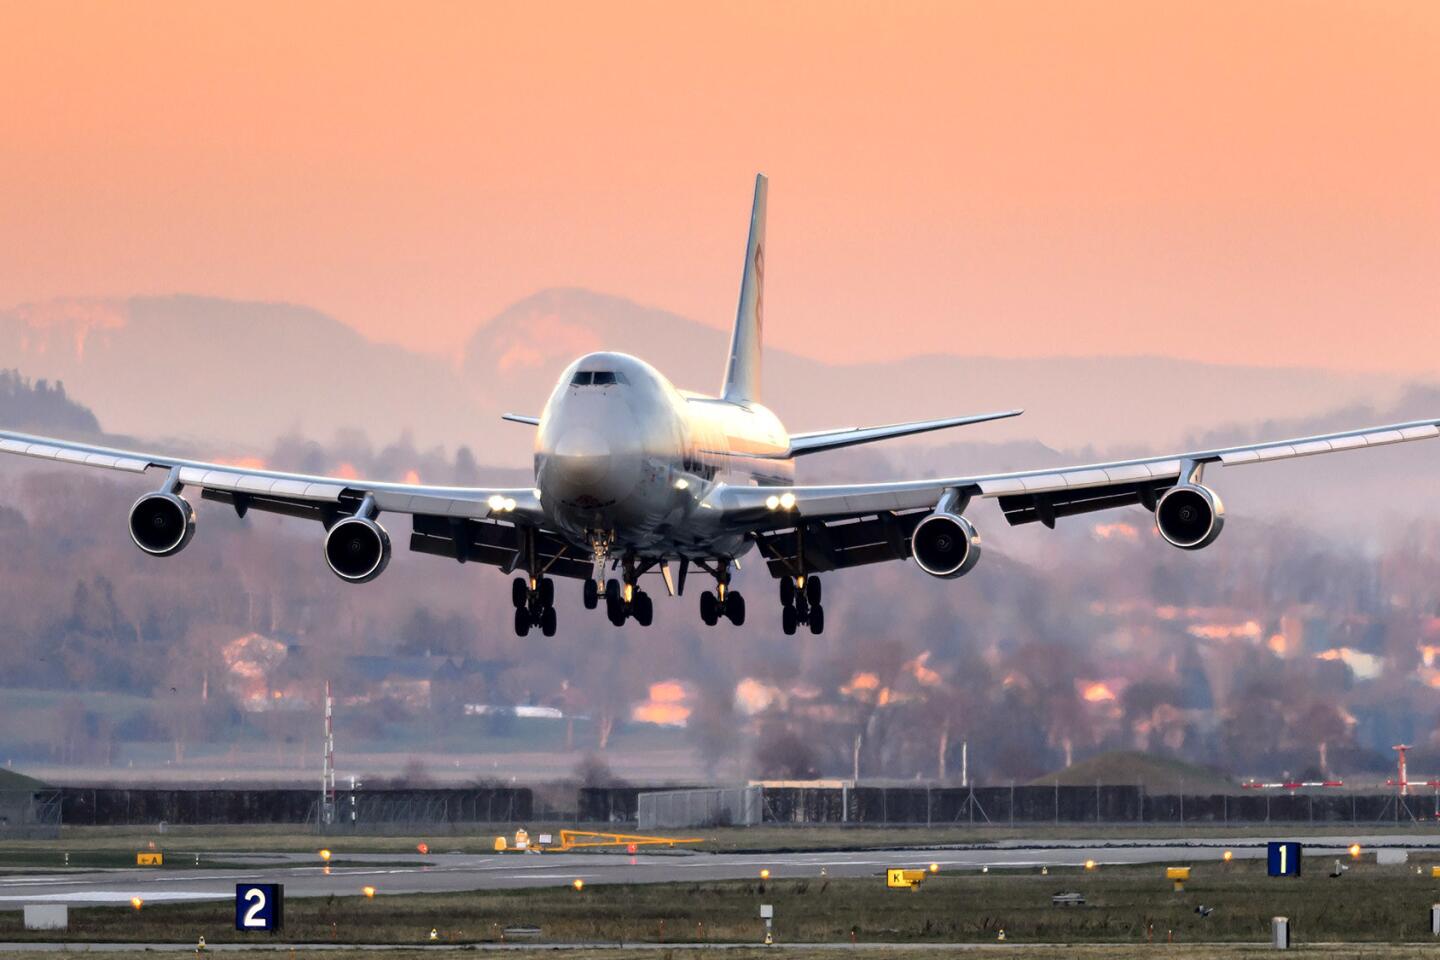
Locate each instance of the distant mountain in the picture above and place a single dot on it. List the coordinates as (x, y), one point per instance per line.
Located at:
(42, 407)
(223, 372)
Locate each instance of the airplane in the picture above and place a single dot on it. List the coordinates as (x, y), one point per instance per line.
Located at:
(633, 475)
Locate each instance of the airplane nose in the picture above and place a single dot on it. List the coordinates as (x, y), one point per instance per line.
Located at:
(583, 456)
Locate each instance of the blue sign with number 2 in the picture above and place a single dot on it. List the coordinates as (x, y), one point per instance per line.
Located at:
(259, 906)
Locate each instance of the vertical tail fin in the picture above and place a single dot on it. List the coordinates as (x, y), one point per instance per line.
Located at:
(742, 375)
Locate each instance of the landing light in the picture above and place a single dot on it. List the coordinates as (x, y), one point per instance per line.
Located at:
(787, 501)
(772, 502)
(496, 502)
(682, 484)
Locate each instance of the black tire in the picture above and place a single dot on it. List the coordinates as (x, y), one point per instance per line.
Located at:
(547, 592)
(522, 621)
(788, 621)
(643, 609)
(592, 594)
(787, 591)
(709, 609)
(519, 593)
(817, 620)
(735, 608)
(802, 607)
(547, 622)
(612, 589)
(615, 610)
(812, 591)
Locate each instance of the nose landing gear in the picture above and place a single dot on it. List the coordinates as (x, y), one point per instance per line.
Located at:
(534, 601)
(800, 605)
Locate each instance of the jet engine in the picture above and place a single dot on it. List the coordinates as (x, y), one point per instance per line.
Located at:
(945, 545)
(357, 549)
(162, 523)
(1189, 516)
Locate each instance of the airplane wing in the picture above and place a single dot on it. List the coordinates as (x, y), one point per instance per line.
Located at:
(834, 526)
(803, 443)
(485, 524)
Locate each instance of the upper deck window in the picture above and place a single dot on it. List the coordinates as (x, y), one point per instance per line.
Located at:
(599, 378)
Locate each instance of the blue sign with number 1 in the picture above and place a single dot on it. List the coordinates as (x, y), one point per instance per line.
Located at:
(259, 906)
(1284, 859)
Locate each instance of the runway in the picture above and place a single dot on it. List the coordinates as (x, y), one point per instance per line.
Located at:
(304, 876)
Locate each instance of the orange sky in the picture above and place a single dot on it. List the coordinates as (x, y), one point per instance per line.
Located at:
(1238, 182)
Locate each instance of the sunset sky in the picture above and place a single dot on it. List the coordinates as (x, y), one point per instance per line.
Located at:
(1240, 182)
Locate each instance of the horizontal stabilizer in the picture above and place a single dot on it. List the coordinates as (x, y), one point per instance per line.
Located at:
(803, 443)
(517, 418)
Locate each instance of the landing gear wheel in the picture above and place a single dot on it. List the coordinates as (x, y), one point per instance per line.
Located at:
(612, 589)
(735, 608)
(802, 608)
(709, 609)
(643, 609)
(787, 591)
(817, 620)
(547, 622)
(519, 593)
(592, 594)
(788, 620)
(547, 592)
(522, 621)
(615, 609)
(812, 591)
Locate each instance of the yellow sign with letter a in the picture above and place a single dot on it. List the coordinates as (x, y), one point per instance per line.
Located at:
(149, 859)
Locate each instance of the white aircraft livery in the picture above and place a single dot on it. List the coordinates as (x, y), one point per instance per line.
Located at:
(633, 476)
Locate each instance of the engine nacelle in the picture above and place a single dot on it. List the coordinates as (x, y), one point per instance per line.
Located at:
(357, 549)
(162, 524)
(1189, 516)
(945, 545)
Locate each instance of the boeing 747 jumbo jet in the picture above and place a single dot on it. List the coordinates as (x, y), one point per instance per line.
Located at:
(633, 475)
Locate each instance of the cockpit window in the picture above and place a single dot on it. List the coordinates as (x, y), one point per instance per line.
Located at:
(599, 378)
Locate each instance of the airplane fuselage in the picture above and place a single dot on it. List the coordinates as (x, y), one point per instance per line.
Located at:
(624, 456)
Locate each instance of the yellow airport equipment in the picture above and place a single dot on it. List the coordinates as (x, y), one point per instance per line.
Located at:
(576, 839)
(149, 859)
(1177, 876)
(898, 877)
(500, 844)
(1435, 873)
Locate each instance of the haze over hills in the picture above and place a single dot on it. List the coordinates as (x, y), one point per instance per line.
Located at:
(231, 373)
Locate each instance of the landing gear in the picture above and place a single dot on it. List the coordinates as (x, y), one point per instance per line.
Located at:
(534, 602)
(800, 605)
(723, 602)
(624, 601)
(592, 594)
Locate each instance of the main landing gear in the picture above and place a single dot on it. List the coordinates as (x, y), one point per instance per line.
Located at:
(800, 604)
(534, 605)
(723, 602)
(623, 601)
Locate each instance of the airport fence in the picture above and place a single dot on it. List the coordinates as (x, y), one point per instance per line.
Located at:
(1000, 806)
(716, 807)
(29, 814)
(360, 810)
